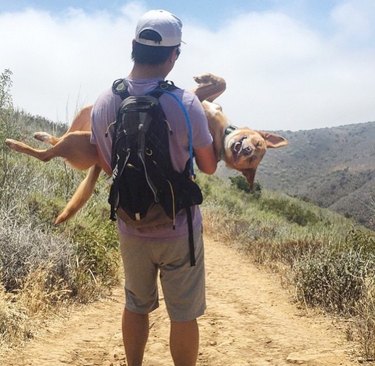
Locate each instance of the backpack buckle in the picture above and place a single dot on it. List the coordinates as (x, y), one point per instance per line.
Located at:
(120, 87)
(166, 84)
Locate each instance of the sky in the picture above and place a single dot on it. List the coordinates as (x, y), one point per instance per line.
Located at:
(289, 65)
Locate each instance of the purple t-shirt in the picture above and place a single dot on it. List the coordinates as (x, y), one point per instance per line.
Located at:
(104, 114)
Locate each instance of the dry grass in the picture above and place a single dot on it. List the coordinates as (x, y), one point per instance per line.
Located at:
(15, 325)
(41, 293)
(23, 311)
(365, 321)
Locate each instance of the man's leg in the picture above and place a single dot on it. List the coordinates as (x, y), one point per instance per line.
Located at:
(184, 342)
(135, 328)
(141, 295)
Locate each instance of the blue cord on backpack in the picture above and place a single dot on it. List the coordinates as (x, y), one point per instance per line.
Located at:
(188, 124)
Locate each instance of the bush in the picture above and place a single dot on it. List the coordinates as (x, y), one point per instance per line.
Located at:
(292, 211)
(239, 182)
(362, 242)
(22, 250)
(334, 281)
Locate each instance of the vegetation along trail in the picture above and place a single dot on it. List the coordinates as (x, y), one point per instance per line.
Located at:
(250, 320)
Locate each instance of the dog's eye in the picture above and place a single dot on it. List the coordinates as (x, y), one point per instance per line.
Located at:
(258, 144)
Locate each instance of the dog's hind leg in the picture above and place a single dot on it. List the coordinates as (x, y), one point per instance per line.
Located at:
(81, 122)
(81, 195)
(75, 148)
(44, 155)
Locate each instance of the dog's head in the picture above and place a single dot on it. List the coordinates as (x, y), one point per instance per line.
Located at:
(244, 149)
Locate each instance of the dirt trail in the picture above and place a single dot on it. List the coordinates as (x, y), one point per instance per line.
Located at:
(249, 321)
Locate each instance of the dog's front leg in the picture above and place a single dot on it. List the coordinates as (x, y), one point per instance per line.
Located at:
(209, 87)
(81, 195)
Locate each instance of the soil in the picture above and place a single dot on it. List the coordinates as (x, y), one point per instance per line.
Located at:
(250, 320)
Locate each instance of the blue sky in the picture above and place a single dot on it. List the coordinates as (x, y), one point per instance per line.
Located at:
(293, 64)
(212, 13)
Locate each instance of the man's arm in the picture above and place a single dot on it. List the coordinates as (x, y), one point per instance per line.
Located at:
(206, 159)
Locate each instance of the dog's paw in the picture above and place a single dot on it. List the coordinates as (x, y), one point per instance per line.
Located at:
(42, 136)
(13, 144)
(10, 143)
(208, 79)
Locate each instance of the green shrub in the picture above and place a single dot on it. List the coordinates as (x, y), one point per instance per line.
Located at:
(97, 250)
(292, 211)
(239, 182)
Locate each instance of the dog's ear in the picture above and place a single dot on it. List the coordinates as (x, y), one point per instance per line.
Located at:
(250, 176)
(273, 140)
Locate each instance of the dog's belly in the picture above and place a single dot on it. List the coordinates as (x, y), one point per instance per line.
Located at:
(77, 150)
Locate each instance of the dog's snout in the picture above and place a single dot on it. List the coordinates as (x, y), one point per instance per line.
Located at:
(247, 150)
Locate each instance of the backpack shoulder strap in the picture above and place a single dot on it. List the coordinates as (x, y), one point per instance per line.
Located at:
(166, 87)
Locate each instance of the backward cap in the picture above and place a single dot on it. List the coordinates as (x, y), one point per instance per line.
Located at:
(167, 25)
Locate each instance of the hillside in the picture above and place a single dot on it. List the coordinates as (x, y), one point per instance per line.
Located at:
(47, 268)
(332, 167)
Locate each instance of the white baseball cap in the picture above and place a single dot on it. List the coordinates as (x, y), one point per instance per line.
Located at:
(167, 25)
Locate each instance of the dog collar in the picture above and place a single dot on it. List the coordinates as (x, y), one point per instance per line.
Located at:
(229, 130)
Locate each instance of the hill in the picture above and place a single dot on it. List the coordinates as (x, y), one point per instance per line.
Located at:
(332, 167)
(45, 267)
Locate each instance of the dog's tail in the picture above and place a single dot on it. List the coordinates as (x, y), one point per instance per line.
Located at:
(81, 195)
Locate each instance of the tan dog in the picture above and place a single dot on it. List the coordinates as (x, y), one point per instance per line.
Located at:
(241, 148)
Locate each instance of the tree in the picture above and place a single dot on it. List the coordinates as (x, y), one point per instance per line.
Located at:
(6, 106)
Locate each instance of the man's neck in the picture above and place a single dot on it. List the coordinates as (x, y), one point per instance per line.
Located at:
(148, 72)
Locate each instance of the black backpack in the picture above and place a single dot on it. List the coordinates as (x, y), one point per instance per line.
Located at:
(146, 191)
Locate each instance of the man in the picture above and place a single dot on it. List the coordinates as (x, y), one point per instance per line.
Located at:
(146, 252)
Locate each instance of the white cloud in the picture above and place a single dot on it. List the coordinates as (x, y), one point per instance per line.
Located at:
(355, 20)
(280, 73)
(62, 62)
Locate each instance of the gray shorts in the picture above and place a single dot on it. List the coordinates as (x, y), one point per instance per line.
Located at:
(183, 286)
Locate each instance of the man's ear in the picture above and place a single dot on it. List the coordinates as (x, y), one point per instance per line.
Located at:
(174, 55)
(273, 140)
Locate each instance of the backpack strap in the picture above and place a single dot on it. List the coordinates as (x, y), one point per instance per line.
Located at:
(191, 237)
(165, 87)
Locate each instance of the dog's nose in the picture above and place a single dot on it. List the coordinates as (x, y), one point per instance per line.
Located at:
(247, 150)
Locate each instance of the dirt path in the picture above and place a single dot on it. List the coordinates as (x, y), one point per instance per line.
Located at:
(249, 321)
